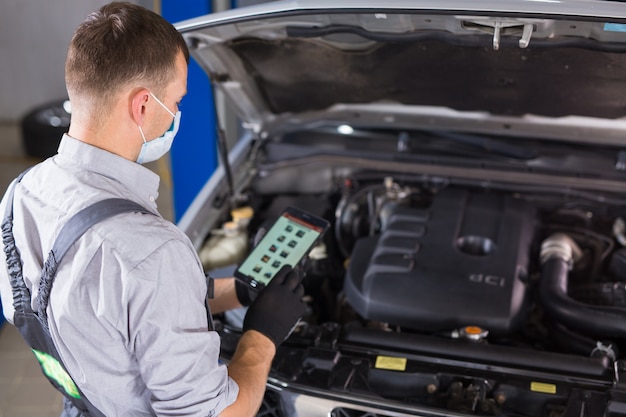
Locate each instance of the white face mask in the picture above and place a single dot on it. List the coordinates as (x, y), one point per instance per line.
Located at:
(156, 148)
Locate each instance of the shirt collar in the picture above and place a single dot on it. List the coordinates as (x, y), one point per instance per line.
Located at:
(140, 181)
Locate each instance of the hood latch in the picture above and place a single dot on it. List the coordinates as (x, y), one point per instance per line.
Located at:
(527, 33)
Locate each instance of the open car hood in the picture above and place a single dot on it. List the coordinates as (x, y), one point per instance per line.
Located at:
(475, 265)
(528, 68)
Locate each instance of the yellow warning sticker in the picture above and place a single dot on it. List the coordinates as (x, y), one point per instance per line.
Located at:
(390, 363)
(543, 387)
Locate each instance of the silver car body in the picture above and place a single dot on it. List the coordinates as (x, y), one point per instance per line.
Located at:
(516, 108)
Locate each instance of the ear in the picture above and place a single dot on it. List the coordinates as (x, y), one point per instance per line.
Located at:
(138, 100)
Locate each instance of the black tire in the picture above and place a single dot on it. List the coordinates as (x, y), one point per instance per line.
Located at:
(43, 127)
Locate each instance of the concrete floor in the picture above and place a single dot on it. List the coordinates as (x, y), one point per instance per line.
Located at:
(24, 392)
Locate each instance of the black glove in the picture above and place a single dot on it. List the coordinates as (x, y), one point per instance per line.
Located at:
(245, 293)
(278, 307)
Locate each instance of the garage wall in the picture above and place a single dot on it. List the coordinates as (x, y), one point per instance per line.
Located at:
(34, 36)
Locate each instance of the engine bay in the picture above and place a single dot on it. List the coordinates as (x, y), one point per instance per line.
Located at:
(408, 258)
(493, 284)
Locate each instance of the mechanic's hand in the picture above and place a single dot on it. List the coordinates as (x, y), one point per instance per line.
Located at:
(278, 307)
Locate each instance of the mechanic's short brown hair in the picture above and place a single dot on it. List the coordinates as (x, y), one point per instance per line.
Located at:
(118, 45)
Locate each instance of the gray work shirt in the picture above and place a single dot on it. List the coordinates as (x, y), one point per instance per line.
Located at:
(126, 311)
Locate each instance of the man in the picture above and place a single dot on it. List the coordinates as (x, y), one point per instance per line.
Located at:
(127, 310)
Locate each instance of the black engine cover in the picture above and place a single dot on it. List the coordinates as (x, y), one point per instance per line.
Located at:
(463, 261)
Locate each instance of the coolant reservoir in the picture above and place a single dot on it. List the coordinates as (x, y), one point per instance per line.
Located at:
(229, 244)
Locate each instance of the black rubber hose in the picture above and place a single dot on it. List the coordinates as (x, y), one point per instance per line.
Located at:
(598, 321)
(572, 342)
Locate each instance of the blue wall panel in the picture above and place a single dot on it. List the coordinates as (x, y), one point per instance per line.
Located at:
(194, 154)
